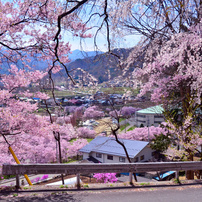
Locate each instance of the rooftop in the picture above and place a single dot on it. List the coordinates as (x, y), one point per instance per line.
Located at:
(152, 110)
(108, 145)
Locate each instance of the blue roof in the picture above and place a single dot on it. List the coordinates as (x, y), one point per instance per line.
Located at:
(108, 145)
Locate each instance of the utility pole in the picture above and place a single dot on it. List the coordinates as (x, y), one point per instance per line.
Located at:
(148, 126)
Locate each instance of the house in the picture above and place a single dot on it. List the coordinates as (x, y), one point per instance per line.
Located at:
(90, 124)
(107, 150)
(150, 116)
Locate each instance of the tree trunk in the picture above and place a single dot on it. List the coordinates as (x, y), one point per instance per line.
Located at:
(126, 152)
(60, 156)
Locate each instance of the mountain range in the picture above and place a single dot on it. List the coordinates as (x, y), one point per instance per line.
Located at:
(78, 54)
(99, 65)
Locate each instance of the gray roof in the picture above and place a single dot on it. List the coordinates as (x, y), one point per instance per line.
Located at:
(152, 110)
(108, 145)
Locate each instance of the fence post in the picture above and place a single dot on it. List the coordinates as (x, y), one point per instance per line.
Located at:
(131, 178)
(177, 175)
(78, 181)
(17, 182)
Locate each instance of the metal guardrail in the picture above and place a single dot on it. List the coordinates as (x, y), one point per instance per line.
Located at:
(86, 168)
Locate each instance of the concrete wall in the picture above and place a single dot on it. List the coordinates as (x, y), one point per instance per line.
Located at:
(154, 119)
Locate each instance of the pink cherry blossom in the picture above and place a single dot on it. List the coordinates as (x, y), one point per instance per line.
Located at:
(106, 177)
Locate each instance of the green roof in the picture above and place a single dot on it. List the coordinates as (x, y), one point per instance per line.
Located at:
(152, 110)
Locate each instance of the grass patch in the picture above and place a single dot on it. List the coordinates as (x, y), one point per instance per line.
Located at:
(8, 176)
(40, 110)
(131, 128)
(72, 140)
(176, 181)
(89, 139)
(85, 186)
(119, 90)
(122, 119)
(60, 93)
(71, 161)
(124, 126)
(63, 186)
(144, 183)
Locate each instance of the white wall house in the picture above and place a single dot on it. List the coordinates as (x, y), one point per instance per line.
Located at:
(149, 116)
(107, 150)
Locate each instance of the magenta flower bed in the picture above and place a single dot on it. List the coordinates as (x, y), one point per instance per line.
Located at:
(106, 177)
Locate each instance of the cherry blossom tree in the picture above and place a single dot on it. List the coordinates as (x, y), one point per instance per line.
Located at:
(93, 113)
(41, 148)
(143, 134)
(173, 79)
(18, 119)
(157, 18)
(31, 30)
(30, 135)
(73, 148)
(35, 30)
(45, 23)
(175, 71)
(171, 75)
(127, 112)
(42, 23)
(84, 132)
(106, 177)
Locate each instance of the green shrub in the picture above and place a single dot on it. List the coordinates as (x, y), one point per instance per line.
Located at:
(131, 128)
(85, 186)
(144, 183)
(176, 180)
(124, 126)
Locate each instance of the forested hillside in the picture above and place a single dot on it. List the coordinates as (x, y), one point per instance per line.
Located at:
(100, 65)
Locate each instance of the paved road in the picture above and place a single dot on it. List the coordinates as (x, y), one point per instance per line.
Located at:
(174, 194)
(12, 181)
(188, 195)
